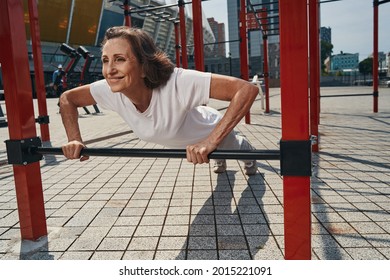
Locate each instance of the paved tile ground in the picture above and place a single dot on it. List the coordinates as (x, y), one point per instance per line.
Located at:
(133, 208)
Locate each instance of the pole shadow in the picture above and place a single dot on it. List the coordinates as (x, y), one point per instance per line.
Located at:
(35, 250)
(231, 224)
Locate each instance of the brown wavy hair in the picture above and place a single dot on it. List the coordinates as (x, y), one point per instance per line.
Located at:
(156, 64)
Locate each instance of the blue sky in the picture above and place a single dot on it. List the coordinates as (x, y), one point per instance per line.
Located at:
(351, 22)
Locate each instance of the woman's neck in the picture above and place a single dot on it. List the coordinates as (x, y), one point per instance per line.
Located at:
(141, 99)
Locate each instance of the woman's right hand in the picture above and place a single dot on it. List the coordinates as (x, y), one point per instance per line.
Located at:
(72, 150)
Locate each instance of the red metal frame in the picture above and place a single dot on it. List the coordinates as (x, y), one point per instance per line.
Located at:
(314, 50)
(244, 49)
(198, 34)
(375, 75)
(87, 63)
(38, 66)
(177, 46)
(183, 36)
(264, 22)
(21, 121)
(126, 10)
(295, 123)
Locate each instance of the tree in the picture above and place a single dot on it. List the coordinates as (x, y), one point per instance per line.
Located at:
(326, 51)
(365, 66)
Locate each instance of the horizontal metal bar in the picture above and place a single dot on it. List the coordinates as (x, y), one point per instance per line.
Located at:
(347, 95)
(328, 1)
(216, 43)
(163, 153)
(40, 120)
(261, 4)
(140, 9)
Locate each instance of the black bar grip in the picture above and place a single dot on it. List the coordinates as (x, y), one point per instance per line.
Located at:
(164, 153)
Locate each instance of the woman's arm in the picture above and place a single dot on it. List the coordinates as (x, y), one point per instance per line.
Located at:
(241, 95)
(69, 102)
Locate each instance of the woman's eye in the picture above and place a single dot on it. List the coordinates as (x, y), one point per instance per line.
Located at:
(119, 59)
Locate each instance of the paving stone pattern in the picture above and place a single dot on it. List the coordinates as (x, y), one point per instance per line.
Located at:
(167, 209)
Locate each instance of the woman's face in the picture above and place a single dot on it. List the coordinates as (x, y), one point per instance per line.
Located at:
(120, 67)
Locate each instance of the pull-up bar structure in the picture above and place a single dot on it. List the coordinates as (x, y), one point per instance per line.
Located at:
(21, 122)
(375, 74)
(295, 124)
(38, 67)
(314, 71)
(259, 21)
(30, 150)
(295, 145)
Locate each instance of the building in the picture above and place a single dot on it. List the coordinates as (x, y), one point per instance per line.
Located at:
(345, 62)
(382, 62)
(388, 63)
(255, 38)
(219, 35)
(326, 34)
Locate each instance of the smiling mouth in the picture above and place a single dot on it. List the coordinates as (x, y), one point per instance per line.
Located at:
(115, 79)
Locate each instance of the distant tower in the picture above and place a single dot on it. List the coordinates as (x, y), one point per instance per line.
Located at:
(255, 38)
(219, 34)
(326, 34)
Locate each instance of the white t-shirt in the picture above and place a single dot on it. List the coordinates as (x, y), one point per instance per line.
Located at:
(175, 117)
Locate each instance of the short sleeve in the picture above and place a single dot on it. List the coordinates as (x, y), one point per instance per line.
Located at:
(193, 87)
(103, 95)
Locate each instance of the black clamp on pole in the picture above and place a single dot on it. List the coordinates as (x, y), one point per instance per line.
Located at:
(127, 12)
(42, 120)
(19, 151)
(295, 158)
(181, 3)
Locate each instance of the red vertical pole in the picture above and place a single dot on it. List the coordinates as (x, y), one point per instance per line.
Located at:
(244, 50)
(198, 34)
(177, 45)
(295, 124)
(183, 36)
(375, 75)
(20, 112)
(126, 10)
(264, 23)
(38, 66)
(314, 49)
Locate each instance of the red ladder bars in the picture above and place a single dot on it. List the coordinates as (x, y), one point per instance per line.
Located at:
(295, 123)
(20, 113)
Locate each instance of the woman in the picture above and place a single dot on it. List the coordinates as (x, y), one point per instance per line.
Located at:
(161, 103)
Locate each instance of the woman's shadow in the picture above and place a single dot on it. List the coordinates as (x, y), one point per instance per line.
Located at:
(231, 224)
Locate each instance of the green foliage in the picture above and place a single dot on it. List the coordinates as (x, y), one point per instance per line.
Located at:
(365, 66)
(326, 51)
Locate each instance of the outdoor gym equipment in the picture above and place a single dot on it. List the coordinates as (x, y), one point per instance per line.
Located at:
(295, 145)
(294, 156)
